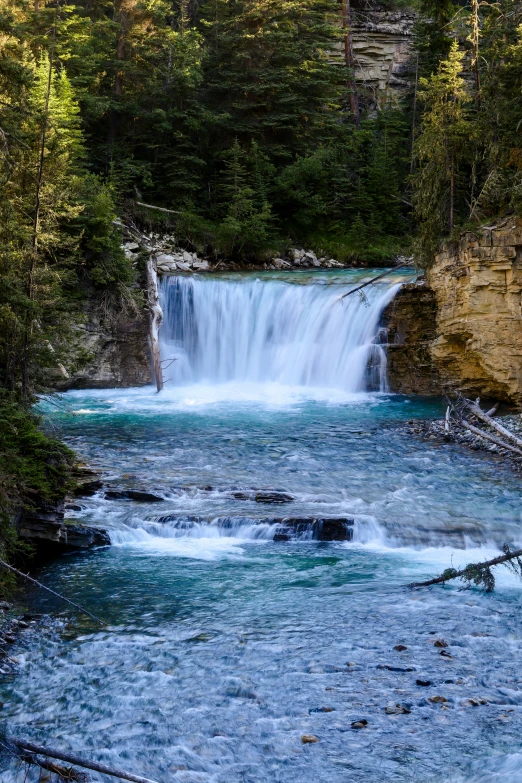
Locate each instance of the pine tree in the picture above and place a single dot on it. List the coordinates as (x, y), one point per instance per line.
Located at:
(443, 147)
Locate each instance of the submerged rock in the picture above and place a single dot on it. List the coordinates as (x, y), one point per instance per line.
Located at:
(133, 494)
(273, 497)
(286, 528)
(308, 739)
(397, 709)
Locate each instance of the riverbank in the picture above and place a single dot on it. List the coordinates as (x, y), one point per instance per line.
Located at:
(436, 430)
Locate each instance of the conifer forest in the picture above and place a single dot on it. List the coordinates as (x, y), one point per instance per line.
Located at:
(260, 384)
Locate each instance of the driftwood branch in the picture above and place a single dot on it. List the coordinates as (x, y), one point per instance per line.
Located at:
(486, 418)
(155, 319)
(488, 436)
(78, 762)
(160, 209)
(373, 280)
(470, 570)
(58, 595)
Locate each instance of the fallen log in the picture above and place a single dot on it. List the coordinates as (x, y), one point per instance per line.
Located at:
(487, 436)
(479, 413)
(58, 595)
(63, 773)
(159, 209)
(374, 280)
(477, 573)
(78, 762)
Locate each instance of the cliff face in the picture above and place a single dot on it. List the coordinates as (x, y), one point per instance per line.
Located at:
(463, 331)
(478, 288)
(382, 52)
(381, 38)
(410, 323)
(111, 354)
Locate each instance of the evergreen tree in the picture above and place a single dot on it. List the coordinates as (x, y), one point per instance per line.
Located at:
(443, 147)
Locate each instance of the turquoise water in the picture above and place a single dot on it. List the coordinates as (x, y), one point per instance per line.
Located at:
(222, 647)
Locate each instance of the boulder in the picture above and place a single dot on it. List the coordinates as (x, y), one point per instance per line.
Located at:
(133, 494)
(201, 266)
(165, 260)
(273, 497)
(281, 263)
(187, 257)
(183, 267)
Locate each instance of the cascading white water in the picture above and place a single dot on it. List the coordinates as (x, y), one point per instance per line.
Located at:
(272, 330)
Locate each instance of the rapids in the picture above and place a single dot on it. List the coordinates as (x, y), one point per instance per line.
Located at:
(223, 647)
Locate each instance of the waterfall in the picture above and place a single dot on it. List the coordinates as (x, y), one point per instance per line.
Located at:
(262, 330)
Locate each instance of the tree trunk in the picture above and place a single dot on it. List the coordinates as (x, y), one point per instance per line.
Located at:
(79, 762)
(439, 580)
(124, 10)
(452, 194)
(475, 40)
(350, 61)
(36, 216)
(155, 319)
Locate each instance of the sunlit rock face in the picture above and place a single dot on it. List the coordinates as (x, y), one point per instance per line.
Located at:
(382, 47)
(461, 329)
(478, 286)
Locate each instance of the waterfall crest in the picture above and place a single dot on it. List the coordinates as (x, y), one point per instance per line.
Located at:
(273, 330)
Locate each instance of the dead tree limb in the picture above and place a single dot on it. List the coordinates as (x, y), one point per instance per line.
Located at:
(373, 280)
(78, 762)
(487, 436)
(160, 209)
(155, 319)
(475, 572)
(476, 411)
(58, 595)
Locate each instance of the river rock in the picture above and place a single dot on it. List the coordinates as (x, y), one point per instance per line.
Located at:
(201, 266)
(133, 494)
(165, 260)
(308, 739)
(281, 263)
(84, 537)
(47, 530)
(360, 724)
(286, 528)
(273, 497)
(397, 709)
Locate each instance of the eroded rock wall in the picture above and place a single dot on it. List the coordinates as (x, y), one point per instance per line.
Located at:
(410, 321)
(461, 329)
(111, 354)
(478, 288)
(382, 48)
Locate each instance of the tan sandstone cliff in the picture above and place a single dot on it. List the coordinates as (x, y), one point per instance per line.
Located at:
(463, 331)
(478, 288)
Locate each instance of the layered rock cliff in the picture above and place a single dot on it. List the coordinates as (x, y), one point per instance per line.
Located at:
(478, 287)
(463, 330)
(111, 353)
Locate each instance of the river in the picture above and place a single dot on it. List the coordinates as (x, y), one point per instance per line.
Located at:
(224, 647)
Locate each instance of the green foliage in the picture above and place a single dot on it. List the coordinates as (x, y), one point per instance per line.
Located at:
(33, 467)
(443, 147)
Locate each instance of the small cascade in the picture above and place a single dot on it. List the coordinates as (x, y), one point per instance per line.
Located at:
(272, 330)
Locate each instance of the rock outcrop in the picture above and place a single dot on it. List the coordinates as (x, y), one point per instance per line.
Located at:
(46, 529)
(462, 329)
(109, 354)
(410, 323)
(478, 288)
(382, 40)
